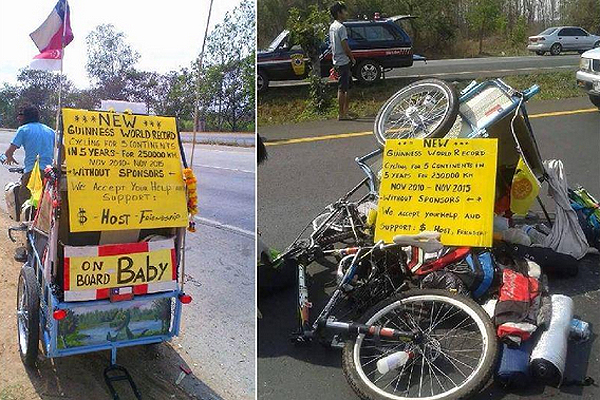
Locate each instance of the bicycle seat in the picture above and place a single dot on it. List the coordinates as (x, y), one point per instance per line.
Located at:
(428, 241)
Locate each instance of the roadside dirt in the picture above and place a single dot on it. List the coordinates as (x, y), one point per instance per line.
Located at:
(154, 369)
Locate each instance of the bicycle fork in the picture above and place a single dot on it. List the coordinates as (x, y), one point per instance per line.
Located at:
(303, 304)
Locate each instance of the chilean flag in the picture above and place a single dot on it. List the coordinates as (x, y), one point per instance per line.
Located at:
(49, 38)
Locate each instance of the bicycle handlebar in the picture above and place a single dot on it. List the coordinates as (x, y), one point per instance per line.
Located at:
(18, 170)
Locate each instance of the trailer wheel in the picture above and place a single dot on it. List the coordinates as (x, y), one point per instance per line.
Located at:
(28, 315)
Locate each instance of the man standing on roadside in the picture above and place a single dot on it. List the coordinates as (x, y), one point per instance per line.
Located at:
(343, 60)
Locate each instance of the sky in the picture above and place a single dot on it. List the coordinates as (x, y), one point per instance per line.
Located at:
(167, 34)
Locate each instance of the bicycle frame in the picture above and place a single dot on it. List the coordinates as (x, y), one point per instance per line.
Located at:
(325, 321)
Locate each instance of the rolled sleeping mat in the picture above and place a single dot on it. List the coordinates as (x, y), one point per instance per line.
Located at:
(549, 355)
(513, 369)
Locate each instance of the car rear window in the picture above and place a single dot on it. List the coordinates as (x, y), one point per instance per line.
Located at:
(371, 33)
(548, 31)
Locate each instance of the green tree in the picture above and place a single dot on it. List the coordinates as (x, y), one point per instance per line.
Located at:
(584, 13)
(226, 83)
(308, 27)
(8, 100)
(483, 17)
(109, 61)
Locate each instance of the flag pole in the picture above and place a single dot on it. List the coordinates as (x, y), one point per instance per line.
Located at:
(196, 110)
(62, 56)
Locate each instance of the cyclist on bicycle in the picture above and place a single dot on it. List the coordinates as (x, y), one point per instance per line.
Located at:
(36, 138)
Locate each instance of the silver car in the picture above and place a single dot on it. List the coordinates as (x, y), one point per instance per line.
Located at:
(588, 76)
(563, 38)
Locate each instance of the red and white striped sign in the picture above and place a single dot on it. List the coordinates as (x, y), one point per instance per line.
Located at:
(93, 272)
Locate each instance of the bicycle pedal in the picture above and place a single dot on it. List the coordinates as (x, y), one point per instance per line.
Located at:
(337, 342)
(301, 338)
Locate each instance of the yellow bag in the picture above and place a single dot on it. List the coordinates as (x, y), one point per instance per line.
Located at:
(524, 189)
(35, 185)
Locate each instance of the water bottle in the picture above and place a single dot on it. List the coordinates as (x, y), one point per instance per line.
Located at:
(516, 236)
(543, 228)
(393, 361)
(579, 331)
(536, 236)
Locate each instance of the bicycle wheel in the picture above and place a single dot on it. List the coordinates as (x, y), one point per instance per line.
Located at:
(423, 109)
(453, 360)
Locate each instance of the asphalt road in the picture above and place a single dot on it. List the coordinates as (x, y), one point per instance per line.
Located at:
(217, 338)
(301, 177)
(471, 68)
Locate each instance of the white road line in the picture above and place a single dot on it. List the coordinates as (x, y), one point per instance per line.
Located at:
(219, 225)
(224, 168)
(426, 74)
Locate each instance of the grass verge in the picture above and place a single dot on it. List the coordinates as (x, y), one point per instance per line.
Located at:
(11, 392)
(284, 105)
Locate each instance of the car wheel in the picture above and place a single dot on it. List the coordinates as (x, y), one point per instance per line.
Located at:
(540, 53)
(595, 99)
(368, 72)
(597, 44)
(262, 82)
(556, 49)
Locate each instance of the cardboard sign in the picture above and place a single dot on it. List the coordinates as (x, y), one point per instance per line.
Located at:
(444, 185)
(89, 272)
(123, 171)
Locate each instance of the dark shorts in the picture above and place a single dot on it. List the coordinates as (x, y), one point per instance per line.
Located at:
(345, 76)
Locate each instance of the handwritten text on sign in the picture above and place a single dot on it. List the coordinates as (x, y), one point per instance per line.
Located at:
(444, 185)
(123, 171)
(130, 267)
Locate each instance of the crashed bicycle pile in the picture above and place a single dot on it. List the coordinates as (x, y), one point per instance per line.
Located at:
(403, 307)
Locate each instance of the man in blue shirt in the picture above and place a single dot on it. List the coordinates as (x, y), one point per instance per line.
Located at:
(36, 139)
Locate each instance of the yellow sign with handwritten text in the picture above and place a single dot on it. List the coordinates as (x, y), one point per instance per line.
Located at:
(123, 171)
(119, 265)
(443, 185)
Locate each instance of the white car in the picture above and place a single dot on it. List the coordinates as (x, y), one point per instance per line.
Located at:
(588, 76)
(563, 38)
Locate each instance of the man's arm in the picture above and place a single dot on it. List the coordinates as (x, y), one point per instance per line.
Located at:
(348, 51)
(10, 160)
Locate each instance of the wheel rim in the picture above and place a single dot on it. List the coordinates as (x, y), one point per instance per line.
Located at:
(416, 113)
(259, 82)
(22, 317)
(369, 72)
(433, 364)
(555, 49)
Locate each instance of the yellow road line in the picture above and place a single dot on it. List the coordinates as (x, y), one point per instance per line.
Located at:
(316, 138)
(559, 113)
(356, 134)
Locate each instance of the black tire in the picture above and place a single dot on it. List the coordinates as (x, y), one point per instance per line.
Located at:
(262, 81)
(540, 52)
(597, 44)
(556, 49)
(474, 382)
(368, 72)
(28, 325)
(595, 99)
(439, 129)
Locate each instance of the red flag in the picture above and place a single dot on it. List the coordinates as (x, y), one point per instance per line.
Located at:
(50, 38)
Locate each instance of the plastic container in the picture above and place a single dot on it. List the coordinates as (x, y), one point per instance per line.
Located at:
(579, 331)
(393, 361)
(536, 236)
(516, 236)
